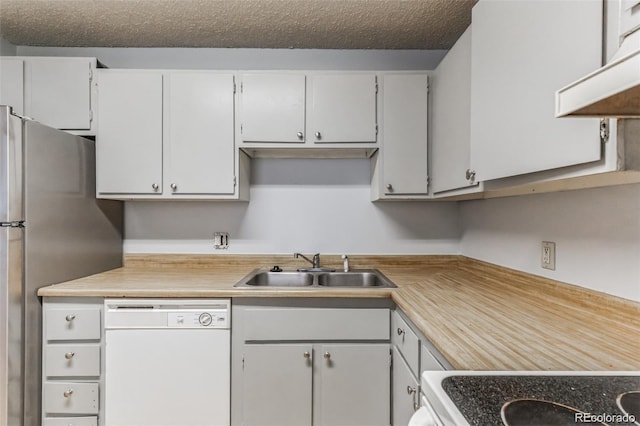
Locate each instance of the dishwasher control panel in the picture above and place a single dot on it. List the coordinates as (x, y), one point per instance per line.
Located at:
(197, 319)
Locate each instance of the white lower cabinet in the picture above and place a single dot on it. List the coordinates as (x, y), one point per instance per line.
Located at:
(332, 376)
(71, 361)
(71, 421)
(404, 391)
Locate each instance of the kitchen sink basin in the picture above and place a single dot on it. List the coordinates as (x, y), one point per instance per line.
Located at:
(279, 279)
(354, 279)
(364, 278)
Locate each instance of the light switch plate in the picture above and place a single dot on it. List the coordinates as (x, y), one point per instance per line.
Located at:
(549, 255)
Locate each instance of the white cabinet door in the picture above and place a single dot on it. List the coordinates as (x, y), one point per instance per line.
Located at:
(12, 84)
(451, 119)
(199, 126)
(277, 381)
(404, 132)
(522, 52)
(58, 92)
(272, 107)
(129, 143)
(405, 391)
(342, 108)
(354, 385)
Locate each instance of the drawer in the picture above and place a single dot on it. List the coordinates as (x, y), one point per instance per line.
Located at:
(406, 341)
(428, 361)
(72, 323)
(316, 324)
(70, 398)
(71, 421)
(72, 360)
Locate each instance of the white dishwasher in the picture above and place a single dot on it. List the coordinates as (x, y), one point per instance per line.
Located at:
(167, 362)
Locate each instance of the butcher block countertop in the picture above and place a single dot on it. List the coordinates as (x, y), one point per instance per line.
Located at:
(478, 315)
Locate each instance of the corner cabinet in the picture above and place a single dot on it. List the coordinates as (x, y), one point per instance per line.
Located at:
(400, 165)
(166, 135)
(521, 53)
(58, 92)
(305, 362)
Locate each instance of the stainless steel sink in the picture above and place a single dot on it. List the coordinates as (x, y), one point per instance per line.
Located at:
(278, 279)
(364, 278)
(369, 278)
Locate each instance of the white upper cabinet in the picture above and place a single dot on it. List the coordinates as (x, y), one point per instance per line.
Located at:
(450, 125)
(522, 52)
(129, 142)
(342, 108)
(301, 110)
(404, 134)
(272, 107)
(166, 134)
(54, 91)
(199, 130)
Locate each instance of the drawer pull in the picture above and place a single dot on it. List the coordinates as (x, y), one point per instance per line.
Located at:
(68, 393)
(400, 331)
(70, 317)
(69, 355)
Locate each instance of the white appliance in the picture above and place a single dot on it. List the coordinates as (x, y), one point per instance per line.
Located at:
(52, 229)
(167, 362)
(459, 398)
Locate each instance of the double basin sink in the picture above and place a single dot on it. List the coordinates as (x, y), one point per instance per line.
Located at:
(364, 278)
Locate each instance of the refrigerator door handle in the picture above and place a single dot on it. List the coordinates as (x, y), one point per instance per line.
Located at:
(15, 224)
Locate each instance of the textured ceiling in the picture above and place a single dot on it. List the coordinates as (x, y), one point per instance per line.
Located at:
(321, 24)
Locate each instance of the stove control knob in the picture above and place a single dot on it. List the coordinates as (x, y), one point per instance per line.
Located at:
(205, 319)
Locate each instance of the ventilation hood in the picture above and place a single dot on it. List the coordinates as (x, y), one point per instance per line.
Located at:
(611, 91)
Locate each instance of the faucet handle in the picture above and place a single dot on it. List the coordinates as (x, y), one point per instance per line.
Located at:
(345, 258)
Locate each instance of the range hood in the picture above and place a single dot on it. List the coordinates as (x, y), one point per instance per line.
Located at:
(611, 91)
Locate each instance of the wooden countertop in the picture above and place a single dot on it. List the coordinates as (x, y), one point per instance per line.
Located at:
(480, 316)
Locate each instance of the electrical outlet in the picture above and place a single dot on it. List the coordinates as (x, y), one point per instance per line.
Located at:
(221, 240)
(549, 255)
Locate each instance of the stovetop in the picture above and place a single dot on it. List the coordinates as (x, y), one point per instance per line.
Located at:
(480, 397)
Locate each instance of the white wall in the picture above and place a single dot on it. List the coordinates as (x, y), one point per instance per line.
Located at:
(238, 59)
(596, 231)
(297, 205)
(6, 48)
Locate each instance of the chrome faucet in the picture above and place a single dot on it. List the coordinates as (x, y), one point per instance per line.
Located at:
(315, 262)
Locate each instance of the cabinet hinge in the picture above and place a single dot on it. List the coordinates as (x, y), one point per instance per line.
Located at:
(234, 181)
(242, 362)
(428, 181)
(604, 130)
(241, 87)
(90, 73)
(240, 128)
(376, 85)
(390, 358)
(376, 130)
(90, 116)
(234, 86)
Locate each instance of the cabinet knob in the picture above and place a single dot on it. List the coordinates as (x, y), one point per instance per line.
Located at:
(327, 355)
(389, 187)
(174, 186)
(470, 174)
(69, 355)
(307, 355)
(300, 135)
(155, 187)
(68, 393)
(318, 135)
(70, 317)
(411, 390)
(400, 331)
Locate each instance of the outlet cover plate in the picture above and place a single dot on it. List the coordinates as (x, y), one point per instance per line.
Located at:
(548, 260)
(221, 240)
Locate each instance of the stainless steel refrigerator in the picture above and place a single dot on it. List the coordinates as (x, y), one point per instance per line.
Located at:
(53, 230)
